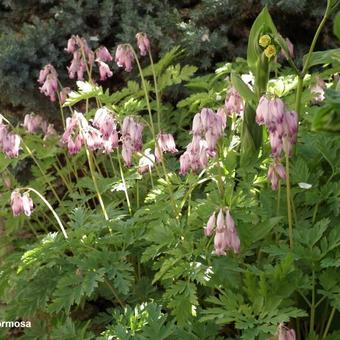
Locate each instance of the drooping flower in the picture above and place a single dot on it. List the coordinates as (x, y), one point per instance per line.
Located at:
(48, 77)
(226, 237)
(132, 138)
(103, 54)
(234, 102)
(285, 333)
(290, 47)
(164, 143)
(318, 90)
(233, 239)
(11, 145)
(77, 67)
(276, 171)
(104, 70)
(208, 230)
(21, 203)
(63, 94)
(124, 57)
(262, 111)
(33, 123)
(50, 131)
(143, 43)
(146, 162)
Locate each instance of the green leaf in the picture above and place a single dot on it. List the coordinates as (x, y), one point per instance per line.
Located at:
(263, 24)
(336, 25)
(247, 94)
(324, 57)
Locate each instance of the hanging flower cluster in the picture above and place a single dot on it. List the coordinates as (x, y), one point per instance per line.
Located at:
(226, 237)
(101, 135)
(132, 139)
(33, 123)
(234, 103)
(9, 141)
(21, 203)
(124, 54)
(48, 78)
(207, 128)
(124, 57)
(283, 127)
(165, 143)
(84, 57)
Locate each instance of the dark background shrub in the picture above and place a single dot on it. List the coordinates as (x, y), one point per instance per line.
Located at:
(34, 33)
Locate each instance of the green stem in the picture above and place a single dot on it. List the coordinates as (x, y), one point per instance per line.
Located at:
(289, 208)
(156, 91)
(329, 322)
(278, 199)
(298, 96)
(121, 303)
(315, 38)
(312, 309)
(124, 182)
(90, 160)
(52, 210)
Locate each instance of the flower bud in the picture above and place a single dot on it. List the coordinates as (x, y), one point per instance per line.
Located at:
(208, 230)
(143, 43)
(264, 40)
(270, 51)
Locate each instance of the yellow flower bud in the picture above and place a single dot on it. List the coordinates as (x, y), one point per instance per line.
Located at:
(264, 40)
(270, 51)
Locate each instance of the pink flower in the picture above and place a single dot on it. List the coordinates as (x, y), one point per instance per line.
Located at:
(165, 143)
(234, 241)
(111, 142)
(220, 242)
(63, 94)
(50, 131)
(103, 54)
(124, 57)
(220, 221)
(132, 139)
(146, 162)
(290, 47)
(276, 113)
(318, 90)
(48, 77)
(127, 150)
(197, 124)
(104, 70)
(275, 143)
(48, 69)
(74, 146)
(285, 333)
(21, 203)
(221, 112)
(234, 102)
(16, 203)
(71, 44)
(208, 230)
(77, 66)
(275, 172)
(184, 162)
(11, 145)
(32, 123)
(93, 139)
(262, 111)
(143, 43)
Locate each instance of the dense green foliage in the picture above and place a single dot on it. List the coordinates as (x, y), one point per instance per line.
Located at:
(33, 33)
(148, 271)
